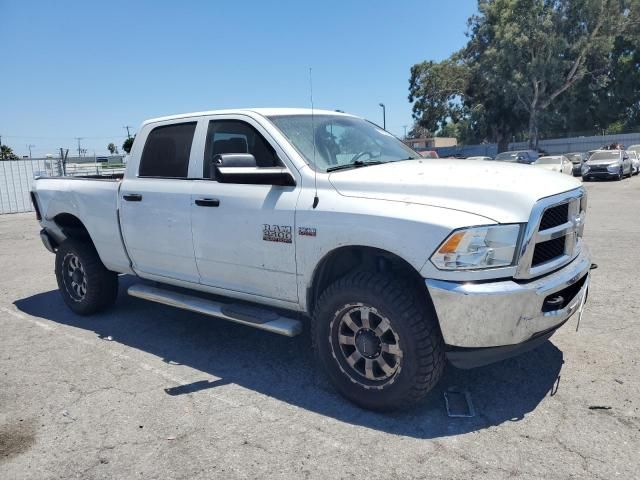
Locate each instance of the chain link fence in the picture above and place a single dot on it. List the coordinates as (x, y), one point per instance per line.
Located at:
(16, 178)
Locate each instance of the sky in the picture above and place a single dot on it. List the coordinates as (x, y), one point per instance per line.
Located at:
(86, 69)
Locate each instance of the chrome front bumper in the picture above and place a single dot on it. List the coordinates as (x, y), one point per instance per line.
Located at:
(474, 315)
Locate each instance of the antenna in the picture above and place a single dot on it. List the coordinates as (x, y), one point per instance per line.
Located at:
(313, 136)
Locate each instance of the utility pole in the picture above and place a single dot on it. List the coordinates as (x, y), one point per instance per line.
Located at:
(79, 148)
(127, 127)
(29, 147)
(405, 131)
(384, 116)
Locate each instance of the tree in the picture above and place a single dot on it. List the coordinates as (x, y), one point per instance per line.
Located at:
(112, 148)
(128, 143)
(536, 50)
(6, 153)
(436, 90)
(535, 65)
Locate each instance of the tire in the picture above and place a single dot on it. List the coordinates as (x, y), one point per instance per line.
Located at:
(84, 282)
(620, 175)
(413, 330)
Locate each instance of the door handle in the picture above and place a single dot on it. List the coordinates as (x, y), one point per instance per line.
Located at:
(132, 197)
(207, 202)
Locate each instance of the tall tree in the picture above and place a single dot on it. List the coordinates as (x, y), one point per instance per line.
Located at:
(531, 65)
(536, 50)
(112, 148)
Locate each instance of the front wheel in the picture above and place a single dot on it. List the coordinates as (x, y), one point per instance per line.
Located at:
(84, 282)
(378, 342)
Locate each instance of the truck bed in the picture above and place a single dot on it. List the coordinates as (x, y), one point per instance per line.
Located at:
(92, 199)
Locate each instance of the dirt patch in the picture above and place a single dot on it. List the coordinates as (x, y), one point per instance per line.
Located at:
(15, 439)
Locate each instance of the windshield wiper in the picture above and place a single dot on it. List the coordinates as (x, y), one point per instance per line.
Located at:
(356, 164)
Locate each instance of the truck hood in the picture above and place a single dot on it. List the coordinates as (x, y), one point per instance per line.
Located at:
(501, 192)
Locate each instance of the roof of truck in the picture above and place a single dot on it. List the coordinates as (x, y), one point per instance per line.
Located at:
(261, 111)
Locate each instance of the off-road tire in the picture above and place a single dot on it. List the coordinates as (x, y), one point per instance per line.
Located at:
(101, 287)
(412, 317)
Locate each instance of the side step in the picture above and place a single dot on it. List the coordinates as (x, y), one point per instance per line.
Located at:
(247, 315)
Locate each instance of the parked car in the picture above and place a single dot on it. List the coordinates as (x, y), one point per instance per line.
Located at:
(479, 158)
(607, 164)
(518, 156)
(635, 162)
(577, 159)
(555, 163)
(396, 263)
(634, 153)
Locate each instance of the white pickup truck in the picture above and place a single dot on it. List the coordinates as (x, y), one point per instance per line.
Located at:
(290, 216)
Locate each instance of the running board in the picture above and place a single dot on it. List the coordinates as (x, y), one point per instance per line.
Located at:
(256, 317)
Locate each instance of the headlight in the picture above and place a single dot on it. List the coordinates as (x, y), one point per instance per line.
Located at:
(585, 168)
(478, 247)
(613, 167)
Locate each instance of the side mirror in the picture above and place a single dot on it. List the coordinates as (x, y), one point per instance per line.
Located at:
(241, 168)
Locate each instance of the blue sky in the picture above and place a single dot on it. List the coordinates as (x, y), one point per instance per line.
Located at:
(86, 69)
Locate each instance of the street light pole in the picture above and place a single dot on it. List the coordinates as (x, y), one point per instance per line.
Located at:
(384, 116)
(29, 147)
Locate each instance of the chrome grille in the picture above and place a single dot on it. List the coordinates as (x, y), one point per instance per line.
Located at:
(554, 216)
(553, 235)
(546, 251)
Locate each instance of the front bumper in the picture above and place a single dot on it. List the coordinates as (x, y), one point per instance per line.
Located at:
(503, 313)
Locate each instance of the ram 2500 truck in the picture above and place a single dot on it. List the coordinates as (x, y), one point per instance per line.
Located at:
(398, 263)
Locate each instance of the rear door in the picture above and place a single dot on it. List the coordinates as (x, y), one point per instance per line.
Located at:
(155, 205)
(243, 235)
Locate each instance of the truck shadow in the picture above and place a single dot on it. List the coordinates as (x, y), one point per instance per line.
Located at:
(282, 367)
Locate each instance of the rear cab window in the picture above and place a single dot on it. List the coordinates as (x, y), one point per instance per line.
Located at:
(166, 151)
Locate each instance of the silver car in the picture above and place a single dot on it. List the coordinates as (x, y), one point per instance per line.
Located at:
(634, 153)
(607, 164)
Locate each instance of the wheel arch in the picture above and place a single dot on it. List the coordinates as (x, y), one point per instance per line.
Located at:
(342, 260)
(72, 227)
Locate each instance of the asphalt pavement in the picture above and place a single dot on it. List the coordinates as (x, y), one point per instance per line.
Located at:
(148, 391)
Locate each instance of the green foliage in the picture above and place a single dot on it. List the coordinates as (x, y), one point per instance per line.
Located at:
(128, 143)
(112, 148)
(531, 65)
(6, 153)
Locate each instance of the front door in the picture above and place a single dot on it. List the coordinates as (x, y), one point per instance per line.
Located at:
(243, 235)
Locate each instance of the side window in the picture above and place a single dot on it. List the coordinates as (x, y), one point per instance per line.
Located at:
(166, 151)
(236, 136)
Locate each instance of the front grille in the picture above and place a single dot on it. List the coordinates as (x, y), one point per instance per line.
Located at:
(554, 216)
(549, 250)
(554, 240)
(598, 169)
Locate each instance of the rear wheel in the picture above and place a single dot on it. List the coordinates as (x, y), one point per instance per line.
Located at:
(84, 282)
(377, 341)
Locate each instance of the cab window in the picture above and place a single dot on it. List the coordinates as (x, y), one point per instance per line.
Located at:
(167, 150)
(236, 136)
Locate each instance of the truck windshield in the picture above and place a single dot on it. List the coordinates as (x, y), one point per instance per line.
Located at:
(341, 142)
